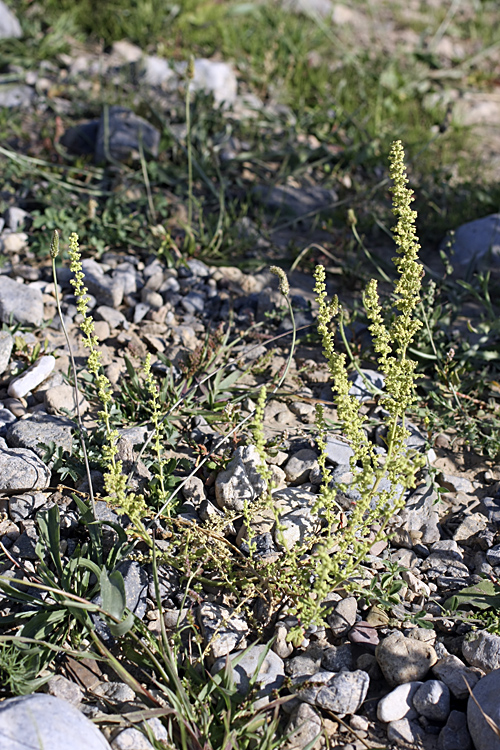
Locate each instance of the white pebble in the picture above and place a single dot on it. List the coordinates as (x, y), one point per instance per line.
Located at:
(32, 377)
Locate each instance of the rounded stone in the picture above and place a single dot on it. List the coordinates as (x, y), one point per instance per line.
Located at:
(343, 616)
(432, 700)
(40, 720)
(404, 659)
(398, 703)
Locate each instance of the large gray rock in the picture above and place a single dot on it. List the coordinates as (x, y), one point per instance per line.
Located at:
(10, 28)
(342, 693)
(21, 470)
(455, 735)
(487, 695)
(106, 289)
(120, 135)
(41, 429)
(432, 700)
(456, 675)
(476, 244)
(20, 303)
(32, 722)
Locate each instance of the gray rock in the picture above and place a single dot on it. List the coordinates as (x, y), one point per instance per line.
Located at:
(303, 664)
(16, 218)
(338, 451)
(81, 139)
(343, 693)
(20, 303)
(241, 482)
(115, 318)
(482, 650)
(296, 201)
(25, 545)
(476, 245)
(14, 96)
(131, 739)
(294, 528)
(221, 629)
(212, 77)
(486, 693)
(119, 134)
(10, 28)
(397, 704)
(24, 506)
(41, 429)
(493, 555)
(61, 399)
(303, 727)
(136, 582)
(193, 490)
(455, 674)
(405, 732)
(61, 687)
(432, 700)
(420, 515)
(359, 387)
(321, 8)
(30, 722)
(6, 344)
(270, 676)
(107, 290)
(404, 659)
(299, 465)
(343, 616)
(117, 693)
(455, 735)
(21, 470)
(338, 658)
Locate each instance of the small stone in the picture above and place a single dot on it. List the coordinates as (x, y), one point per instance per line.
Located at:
(455, 735)
(21, 470)
(404, 659)
(337, 658)
(432, 700)
(104, 288)
(41, 720)
(39, 430)
(222, 630)
(343, 694)
(20, 303)
(25, 545)
(242, 481)
(405, 732)
(122, 133)
(117, 693)
(299, 466)
(32, 377)
(455, 674)
(486, 694)
(338, 451)
(114, 318)
(343, 617)
(6, 344)
(61, 687)
(482, 650)
(398, 703)
(281, 646)
(303, 664)
(101, 330)
(303, 727)
(493, 555)
(270, 676)
(10, 28)
(23, 506)
(364, 635)
(131, 739)
(470, 526)
(61, 400)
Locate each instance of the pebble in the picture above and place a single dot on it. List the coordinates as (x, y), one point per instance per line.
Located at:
(487, 694)
(405, 731)
(21, 470)
(41, 429)
(61, 687)
(342, 694)
(32, 377)
(242, 480)
(398, 703)
(299, 466)
(404, 659)
(41, 720)
(270, 675)
(432, 700)
(61, 399)
(343, 616)
(453, 672)
(221, 629)
(6, 344)
(303, 727)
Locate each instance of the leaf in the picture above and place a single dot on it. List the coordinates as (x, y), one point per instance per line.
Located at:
(48, 523)
(113, 593)
(483, 595)
(118, 629)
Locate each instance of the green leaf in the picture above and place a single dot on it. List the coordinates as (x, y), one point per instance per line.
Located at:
(118, 629)
(113, 593)
(483, 595)
(48, 523)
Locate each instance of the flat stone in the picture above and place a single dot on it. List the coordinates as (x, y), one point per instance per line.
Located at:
(114, 318)
(21, 470)
(338, 658)
(107, 290)
(432, 700)
(405, 732)
(32, 377)
(487, 694)
(40, 720)
(476, 244)
(398, 704)
(61, 399)
(286, 199)
(131, 739)
(343, 693)
(482, 650)
(61, 687)
(41, 429)
(359, 387)
(364, 634)
(25, 545)
(24, 506)
(120, 134)
(299, 465)
(303, 727)
(20, 303)
(404, 659)
(15, 96)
